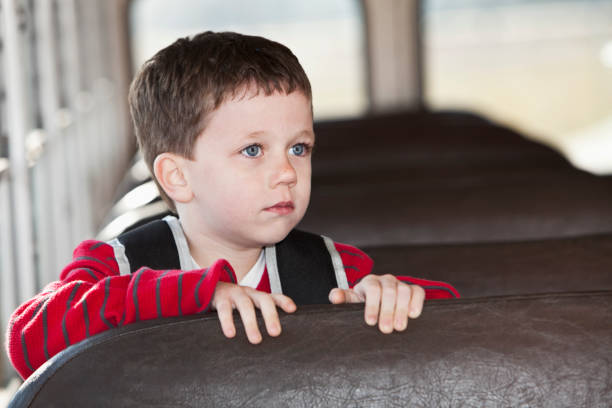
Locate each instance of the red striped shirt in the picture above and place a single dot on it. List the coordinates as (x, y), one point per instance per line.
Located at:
(91, 297)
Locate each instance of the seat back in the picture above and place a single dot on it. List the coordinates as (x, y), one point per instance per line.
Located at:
(545, 350)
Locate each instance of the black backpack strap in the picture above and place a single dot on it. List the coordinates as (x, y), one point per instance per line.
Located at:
(151, 245)
(305, 268)
(304, 262)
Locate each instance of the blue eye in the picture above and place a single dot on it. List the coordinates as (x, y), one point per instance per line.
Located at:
(299, 149)
(252, 151)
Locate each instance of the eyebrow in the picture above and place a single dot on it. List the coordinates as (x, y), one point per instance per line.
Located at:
(255, 134)
(304, 132)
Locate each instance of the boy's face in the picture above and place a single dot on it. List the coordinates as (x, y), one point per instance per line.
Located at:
(250, 174)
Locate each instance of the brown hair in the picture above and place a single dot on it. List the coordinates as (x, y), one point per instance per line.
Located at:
(173, 93)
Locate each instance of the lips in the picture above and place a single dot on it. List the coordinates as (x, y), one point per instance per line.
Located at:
(283, 207)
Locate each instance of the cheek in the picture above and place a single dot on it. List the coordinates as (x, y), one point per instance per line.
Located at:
(304, 177)
(223, 192)
(304, 171)
(240, 193)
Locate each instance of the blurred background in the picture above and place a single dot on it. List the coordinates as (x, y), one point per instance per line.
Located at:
(542, 68)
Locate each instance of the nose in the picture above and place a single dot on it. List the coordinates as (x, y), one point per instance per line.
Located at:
(284, 173)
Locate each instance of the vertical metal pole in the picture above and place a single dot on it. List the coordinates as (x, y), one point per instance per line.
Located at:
(81, 223)
(116, 32)
(100, 141)
(106, 129)
(392, 51)
(8, 271)
(17, 123)
(58, 240)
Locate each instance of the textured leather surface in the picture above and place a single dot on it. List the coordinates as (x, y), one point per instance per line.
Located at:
(511, 268)
(446, 178)
(544, 351)
(452, 206)
(408, 140)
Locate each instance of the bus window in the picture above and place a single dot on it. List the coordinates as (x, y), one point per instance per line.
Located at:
(543, 67)
(337, 69)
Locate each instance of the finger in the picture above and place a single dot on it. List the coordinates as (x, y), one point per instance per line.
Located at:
(402, 306)
(284, 302)
(371, 291)
(244, 304)
(387, 303)
(338, 296)
(266, 304)
(226, 318)
(416, 301)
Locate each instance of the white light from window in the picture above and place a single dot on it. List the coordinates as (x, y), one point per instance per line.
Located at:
(606, 54)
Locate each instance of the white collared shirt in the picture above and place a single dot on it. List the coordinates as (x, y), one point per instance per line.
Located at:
(253, 276)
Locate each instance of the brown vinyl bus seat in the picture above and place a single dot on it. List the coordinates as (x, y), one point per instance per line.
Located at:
(541, 350)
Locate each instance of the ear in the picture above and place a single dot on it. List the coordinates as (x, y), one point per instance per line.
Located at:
(168, 169)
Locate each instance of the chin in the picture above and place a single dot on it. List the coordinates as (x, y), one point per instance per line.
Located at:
(275, 237)
(276, 233)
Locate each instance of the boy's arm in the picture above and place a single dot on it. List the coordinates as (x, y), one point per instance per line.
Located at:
(389, 300)
(92, 297)
(358, 265)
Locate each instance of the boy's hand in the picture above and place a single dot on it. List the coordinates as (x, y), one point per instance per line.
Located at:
(388, 301)
(229, 296)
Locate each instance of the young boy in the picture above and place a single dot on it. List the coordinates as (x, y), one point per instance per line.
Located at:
(224, 122)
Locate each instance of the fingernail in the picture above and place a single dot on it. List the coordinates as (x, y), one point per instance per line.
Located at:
(387, 325)
(401, 325)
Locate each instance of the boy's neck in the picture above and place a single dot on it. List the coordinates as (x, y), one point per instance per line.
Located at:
(205, 250)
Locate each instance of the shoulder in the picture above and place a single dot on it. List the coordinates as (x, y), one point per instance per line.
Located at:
(152, 232)
(93, 248)
(158, 244)
(356, 262)
(92, 255)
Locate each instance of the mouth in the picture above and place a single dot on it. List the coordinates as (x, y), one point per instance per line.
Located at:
(283, 207)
